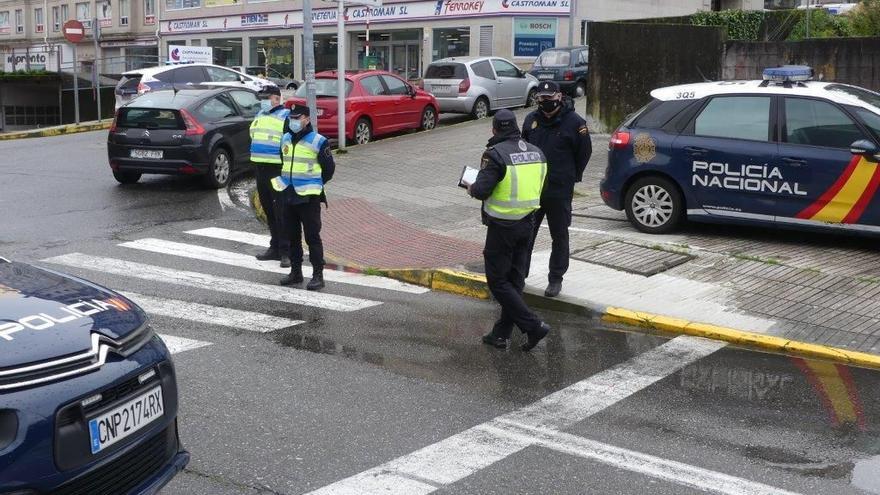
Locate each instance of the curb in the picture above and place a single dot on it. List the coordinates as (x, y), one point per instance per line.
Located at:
(57, 131)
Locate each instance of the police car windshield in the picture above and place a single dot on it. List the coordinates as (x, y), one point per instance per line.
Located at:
(324, 87)
(554, 58)
(865, 96)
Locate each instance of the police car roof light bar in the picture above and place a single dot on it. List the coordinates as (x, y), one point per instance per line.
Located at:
(788, 73)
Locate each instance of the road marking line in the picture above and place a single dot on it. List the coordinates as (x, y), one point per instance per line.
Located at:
(630, 460)
(196, 252)
(465, 453)
(176, 345)
(210, 282)
(212, 315)
(232, 235)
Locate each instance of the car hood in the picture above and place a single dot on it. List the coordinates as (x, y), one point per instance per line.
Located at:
(46, 314)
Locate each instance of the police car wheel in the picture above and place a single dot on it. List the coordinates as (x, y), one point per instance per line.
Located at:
(126, 177)
(363, 133)
(654, 205)
(429, 119)
(481, 108)
(219, 169)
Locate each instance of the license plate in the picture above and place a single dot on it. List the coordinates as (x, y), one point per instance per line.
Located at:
(545, 76)
(149, 154)
(125, 420)
(441, 89)
(320, 112)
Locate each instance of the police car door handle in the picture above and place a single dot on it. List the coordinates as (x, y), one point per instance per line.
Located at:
(794, 162)
(693, 150)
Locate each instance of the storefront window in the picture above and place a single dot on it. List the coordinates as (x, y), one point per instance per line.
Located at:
(325, 52)
(182, 4)
(455, 42)
(277, 53)
(227, 51)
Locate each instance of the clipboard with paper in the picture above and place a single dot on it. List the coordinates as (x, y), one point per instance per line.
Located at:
(468, 176)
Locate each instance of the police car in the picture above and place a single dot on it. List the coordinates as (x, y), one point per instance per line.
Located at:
(783, 151)
(88, 394)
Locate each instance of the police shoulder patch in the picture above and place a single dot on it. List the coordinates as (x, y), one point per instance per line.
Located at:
(534, 124)
(583, 130)
(484, 162)
(286, 149)
(522, 145)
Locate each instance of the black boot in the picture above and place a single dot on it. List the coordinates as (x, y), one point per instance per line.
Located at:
(553, 289)
(535, 337)
(285, 261)
(295, 277)
(317, 281)
(270, 254)
(497, 342)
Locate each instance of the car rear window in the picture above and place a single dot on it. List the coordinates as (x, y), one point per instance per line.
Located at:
(128, 83)
(554, 58)
(446, 71)
(869, 97)
(182, 75)
(324, 86)
(658, 113)
(148, 118)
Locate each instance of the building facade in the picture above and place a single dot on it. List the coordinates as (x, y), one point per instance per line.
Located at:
(404, 35)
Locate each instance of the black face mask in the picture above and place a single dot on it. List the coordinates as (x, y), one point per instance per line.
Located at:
(550, 106)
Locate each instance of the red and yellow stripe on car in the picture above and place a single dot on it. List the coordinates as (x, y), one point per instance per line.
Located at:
(847, 198)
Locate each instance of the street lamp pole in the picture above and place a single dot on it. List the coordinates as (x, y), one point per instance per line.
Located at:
(309, 62)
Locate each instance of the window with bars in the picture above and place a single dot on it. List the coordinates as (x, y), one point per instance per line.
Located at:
(31, 115)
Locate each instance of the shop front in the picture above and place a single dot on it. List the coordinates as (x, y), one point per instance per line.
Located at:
(397, 51)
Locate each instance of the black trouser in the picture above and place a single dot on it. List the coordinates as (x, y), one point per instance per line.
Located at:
(558, 213)
(265, 173)
(506, 255)
(296, 220)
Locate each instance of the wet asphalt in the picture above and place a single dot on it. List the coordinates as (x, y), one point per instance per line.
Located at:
(293, 410)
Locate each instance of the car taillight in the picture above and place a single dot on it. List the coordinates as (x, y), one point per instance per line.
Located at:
(193, 127)
(568, 76)
(464, 86)
(113, 125)
(620, 139)
(143, 88)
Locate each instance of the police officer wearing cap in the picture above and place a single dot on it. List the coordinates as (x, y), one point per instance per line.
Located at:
(563, 136)
(509, 183)
(307, 164)
(267, 129)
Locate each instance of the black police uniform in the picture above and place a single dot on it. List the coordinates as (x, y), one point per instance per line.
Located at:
(565, 141)
(264, 173)
(508, 248)
(302, 215)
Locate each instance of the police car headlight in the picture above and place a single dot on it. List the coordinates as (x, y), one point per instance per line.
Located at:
(8, 427)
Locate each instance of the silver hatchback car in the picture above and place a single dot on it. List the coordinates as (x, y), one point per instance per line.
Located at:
(479, 85)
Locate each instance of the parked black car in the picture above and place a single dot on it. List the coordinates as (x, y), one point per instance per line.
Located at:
(188, 132)
(565, 65)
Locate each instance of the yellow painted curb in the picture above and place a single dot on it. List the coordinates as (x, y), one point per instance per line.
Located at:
(57, 131)
(461, 283)
(741, 338)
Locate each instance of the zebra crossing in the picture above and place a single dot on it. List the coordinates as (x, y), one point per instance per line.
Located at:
(224, 317)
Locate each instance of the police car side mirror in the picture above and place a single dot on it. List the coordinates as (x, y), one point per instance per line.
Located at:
(865, 148)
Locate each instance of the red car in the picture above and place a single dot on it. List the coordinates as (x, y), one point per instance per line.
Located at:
(376, 103)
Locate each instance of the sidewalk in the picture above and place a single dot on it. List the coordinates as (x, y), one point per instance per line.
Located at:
(57, 130)
(394, 205)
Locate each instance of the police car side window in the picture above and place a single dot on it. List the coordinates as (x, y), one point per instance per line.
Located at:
(870, 119)
(818, 123)
(735, 117)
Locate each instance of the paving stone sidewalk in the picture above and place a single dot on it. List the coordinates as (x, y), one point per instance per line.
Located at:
(814, 288)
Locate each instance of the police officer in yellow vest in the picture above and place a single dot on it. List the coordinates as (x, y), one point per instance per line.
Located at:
(307, 164)
(267, 129)
(510, 180)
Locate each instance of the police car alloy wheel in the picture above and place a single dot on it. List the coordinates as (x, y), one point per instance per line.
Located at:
(429, 119)
(654, 205)
(363, 133)
(481, 108)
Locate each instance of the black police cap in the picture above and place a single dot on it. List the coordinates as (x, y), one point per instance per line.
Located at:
(504, 120)
(300, 110)
(547, 88)
(270, 90)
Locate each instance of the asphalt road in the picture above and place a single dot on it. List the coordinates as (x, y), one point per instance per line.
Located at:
(378, 387)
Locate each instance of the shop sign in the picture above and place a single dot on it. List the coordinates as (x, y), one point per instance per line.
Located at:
(190, 54)
(458, 7)
(36, 57)
(250, 20)
(533, 36)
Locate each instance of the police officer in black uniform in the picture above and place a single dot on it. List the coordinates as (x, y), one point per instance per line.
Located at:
(509, 240)
(563, 136)
(300, 212)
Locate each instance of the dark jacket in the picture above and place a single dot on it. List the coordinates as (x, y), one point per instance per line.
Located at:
(328, 168)
(565, 141)
(492, 171)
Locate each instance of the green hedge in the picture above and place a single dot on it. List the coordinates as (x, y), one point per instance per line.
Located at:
(741, 24)
(25, 74)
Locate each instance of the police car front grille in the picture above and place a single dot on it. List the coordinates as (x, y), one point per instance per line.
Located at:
(127, 472)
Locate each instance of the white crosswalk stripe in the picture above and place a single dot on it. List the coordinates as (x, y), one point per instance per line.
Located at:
(213, 283)
(176, 345)
(211, 315)
(202, 253)
(232, 235)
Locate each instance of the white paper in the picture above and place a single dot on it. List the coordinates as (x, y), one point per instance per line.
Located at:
(469, 176)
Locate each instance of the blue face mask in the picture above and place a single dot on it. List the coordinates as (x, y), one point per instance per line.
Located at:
(295, 125)
(265, 105)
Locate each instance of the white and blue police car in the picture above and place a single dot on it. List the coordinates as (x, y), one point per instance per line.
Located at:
(786, 151)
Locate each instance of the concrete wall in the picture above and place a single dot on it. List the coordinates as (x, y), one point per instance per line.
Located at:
(622, 77)
(848, 60)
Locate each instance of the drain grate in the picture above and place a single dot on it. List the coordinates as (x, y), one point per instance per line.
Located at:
(631, 258)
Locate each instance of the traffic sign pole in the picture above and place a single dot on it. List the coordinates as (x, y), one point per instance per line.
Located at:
(75, 87)
(96, 33)
(340, 71)
(74, 32)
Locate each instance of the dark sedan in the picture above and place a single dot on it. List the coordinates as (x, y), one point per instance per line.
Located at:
(189, 132)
